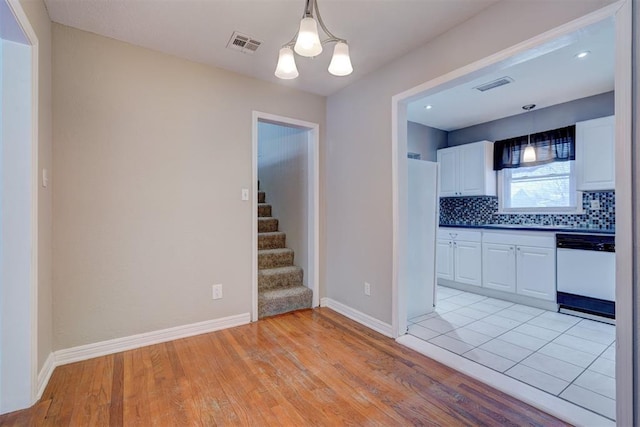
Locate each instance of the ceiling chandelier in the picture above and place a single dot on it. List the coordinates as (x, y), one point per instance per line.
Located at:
(306, 42)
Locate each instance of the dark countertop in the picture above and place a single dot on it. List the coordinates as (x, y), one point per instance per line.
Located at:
(533, 227)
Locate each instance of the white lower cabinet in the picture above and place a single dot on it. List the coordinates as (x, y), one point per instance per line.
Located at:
(459, 256)
(444, 259)
(520, 263)
(499, 268)
(468, 262)
(536, 272)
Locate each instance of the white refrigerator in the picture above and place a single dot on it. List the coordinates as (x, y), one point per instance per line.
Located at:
(422, 228)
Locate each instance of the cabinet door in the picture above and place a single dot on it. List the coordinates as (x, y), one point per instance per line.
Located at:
(536, 272)
(499, 267)
(595, 154)
(448, 160)
(472, 170)
(444, 259)
(468, 262)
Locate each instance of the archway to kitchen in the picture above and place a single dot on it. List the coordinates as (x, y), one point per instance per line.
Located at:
(18, 208)
(531, 49)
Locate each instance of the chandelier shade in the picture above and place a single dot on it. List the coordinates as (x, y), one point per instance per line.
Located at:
(308, 41)
(286, 68)
(340, 62)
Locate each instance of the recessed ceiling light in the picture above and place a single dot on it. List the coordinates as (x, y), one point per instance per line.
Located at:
(583, 54)
(428, 107)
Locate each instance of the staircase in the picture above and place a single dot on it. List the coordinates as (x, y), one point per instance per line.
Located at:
(280, 287)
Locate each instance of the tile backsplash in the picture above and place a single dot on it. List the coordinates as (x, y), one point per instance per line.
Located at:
(484, 210)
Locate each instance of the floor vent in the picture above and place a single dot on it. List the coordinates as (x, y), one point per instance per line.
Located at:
(243, 43)
(494, 84)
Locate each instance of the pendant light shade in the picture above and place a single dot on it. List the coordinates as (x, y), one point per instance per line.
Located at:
(308, 41)
(286, 68)
(340, 62)
(529, 154)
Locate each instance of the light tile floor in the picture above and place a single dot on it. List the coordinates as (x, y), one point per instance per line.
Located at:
(566, 356)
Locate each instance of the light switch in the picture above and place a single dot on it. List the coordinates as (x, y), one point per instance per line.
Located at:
(45, 178)
(245, 194)
(595, 205)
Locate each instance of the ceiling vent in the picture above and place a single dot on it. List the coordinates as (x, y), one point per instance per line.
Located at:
(494, 84)
(243, 43)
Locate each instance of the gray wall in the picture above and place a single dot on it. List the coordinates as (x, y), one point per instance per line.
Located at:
(358, 164)
(553, 117)
(425, 140)
(283, 156)
(151, 154)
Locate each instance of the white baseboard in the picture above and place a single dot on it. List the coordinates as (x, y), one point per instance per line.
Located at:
(360, 317)
(45, 374)
(89, 351)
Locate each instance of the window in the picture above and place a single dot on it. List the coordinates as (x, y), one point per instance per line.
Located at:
(545, 188)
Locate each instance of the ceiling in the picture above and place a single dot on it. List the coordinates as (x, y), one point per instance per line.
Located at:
(546, 80)
(378, 31)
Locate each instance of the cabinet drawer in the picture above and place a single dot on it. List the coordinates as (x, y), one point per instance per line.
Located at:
(537, 239)
(459, 234)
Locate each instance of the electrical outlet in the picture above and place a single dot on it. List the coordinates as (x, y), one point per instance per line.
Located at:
(216, 292)
(595, 205)
(367, 288)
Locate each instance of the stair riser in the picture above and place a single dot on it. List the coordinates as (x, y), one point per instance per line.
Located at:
(275, 260)
(283, 305)
(284, 280)
(272, 241)
(261, 197)
(267, 225)
(264, 211)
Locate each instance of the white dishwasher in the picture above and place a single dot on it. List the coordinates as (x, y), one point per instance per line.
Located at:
(586, 273)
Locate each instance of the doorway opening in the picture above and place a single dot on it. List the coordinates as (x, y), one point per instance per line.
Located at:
(18, 208)
(285, 215)
(541, 45)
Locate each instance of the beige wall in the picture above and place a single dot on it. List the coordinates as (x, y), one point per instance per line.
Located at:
(39, 20)
(359, 202)
(151, 153)
(283, 166)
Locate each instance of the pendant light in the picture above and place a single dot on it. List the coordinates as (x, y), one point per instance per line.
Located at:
(306, 42)
(529, 152)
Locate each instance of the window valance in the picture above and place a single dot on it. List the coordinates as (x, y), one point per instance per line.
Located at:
(557, 145)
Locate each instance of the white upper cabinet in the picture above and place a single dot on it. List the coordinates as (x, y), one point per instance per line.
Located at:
(467, 170)
(595, 154)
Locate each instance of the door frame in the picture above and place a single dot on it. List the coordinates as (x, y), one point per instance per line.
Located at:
(625, 254)
(313, 191)
(31, 306)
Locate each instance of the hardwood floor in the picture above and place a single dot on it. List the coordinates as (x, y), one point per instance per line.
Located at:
(312, 367)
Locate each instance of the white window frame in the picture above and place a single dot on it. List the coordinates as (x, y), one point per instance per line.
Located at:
(573, 210)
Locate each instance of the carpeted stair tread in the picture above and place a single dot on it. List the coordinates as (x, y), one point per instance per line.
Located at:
(272, 240)
(280, 277)
(272, 258)
(277, 301)
(266, 225)
(264, 210)
(280, 283)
